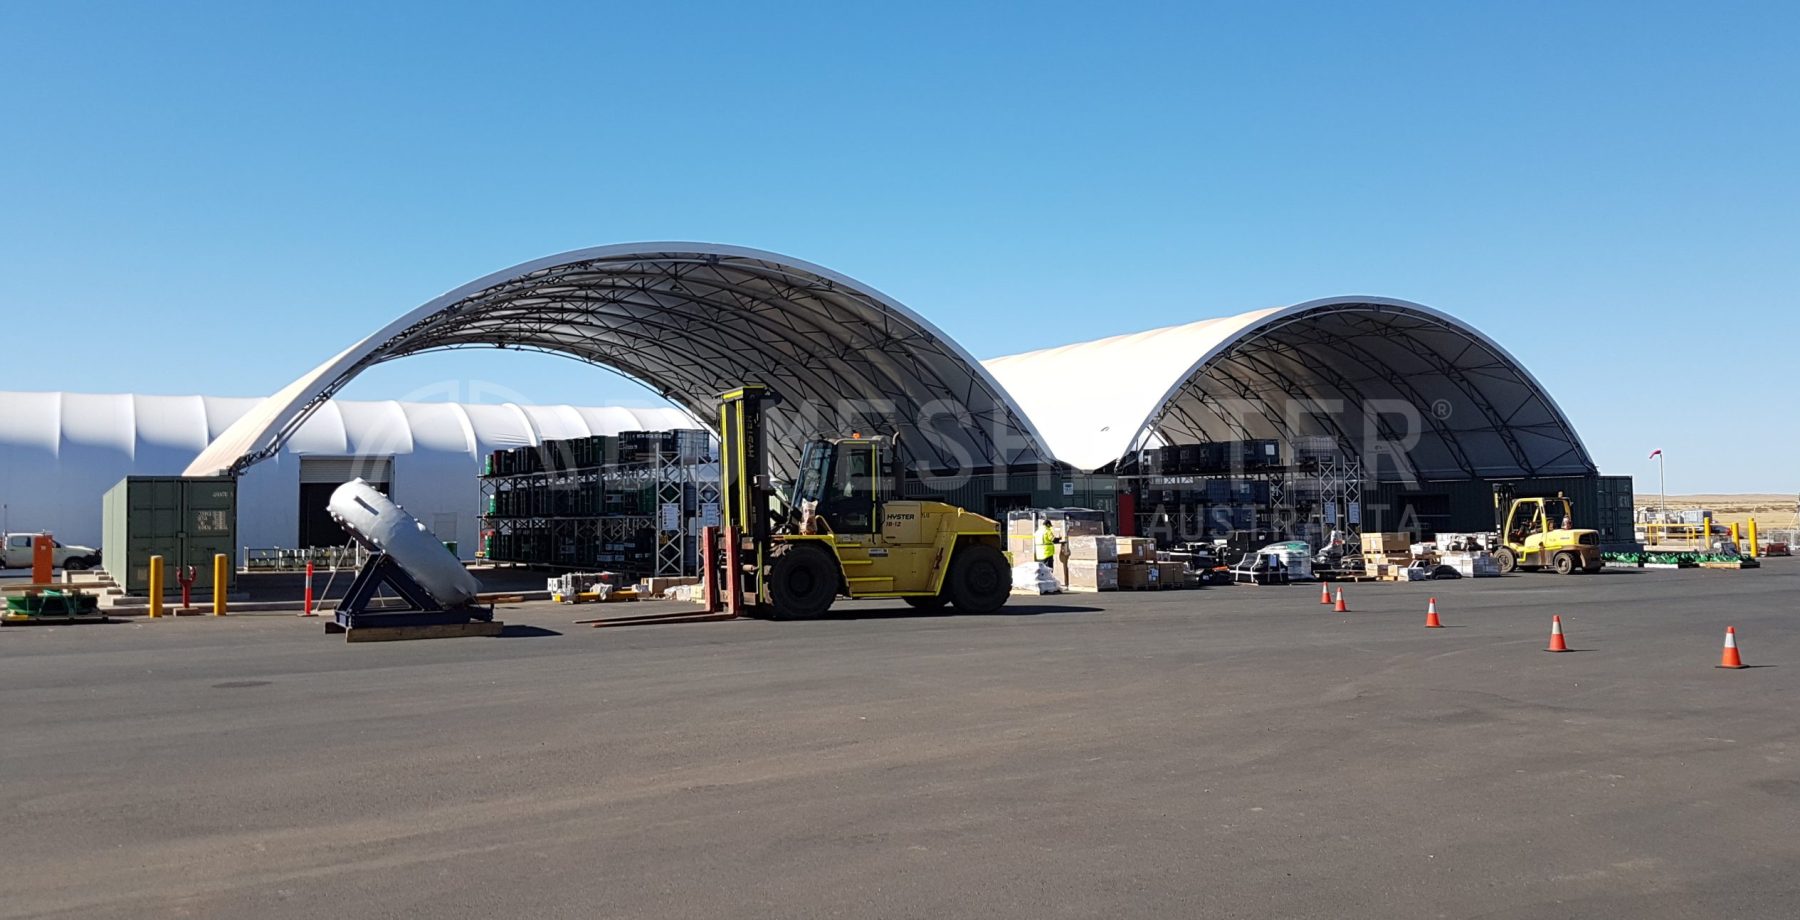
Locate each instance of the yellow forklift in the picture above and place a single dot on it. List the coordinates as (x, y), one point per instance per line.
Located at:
(1538, 533)
(844, 527)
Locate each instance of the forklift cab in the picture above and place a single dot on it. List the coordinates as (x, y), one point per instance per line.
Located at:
(1531, 516)
(844, 482)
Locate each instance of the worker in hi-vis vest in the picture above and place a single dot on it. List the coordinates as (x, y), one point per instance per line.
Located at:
(1046, 544)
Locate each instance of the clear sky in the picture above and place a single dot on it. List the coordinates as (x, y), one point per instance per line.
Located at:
(211, 198)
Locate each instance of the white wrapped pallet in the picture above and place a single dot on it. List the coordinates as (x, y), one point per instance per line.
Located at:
(1034, 578)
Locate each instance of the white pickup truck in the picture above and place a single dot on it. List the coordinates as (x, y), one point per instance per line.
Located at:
(15, 553)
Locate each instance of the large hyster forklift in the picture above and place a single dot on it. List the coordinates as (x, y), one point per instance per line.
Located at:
(1539, 533)
(843, 528)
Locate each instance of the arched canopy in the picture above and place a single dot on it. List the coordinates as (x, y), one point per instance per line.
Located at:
(1414, 392)
(691, 321)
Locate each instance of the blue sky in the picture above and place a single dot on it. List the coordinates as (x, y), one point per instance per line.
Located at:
(211, 198)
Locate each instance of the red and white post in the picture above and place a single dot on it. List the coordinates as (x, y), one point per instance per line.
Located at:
(308, 612)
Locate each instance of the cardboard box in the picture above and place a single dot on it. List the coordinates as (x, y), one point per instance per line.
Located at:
(1136, 575)
(1378, 543)
(1097, 548)
(1023, 549)
(1473, 565)
(1081, 528)
(1377, 569)
(1088, 575)
(657, 585)
(1064, 522)
(1138, 549)
(1171, 573)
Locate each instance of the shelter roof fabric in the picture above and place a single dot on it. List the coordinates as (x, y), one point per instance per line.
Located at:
(1431, 395)
(691, 321)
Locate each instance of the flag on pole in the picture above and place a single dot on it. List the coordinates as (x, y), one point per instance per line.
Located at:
(1656, 453)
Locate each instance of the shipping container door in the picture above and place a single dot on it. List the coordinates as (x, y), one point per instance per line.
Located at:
(153, 528)
(209, 518)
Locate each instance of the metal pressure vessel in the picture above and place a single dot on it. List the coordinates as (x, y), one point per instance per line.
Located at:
(382, 526)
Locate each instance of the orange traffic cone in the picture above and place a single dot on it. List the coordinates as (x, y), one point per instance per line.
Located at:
(1556, 637)
(1341, 606)
(1324, 594)
(1431, 620)
(1730, 659)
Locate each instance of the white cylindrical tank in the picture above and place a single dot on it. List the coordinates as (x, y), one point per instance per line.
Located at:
(382, 526)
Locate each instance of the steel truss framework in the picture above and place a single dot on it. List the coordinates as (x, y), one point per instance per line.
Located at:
(690, 321)
(687, 502)
(1353, 372)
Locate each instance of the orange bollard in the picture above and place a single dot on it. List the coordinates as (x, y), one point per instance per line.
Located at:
(43, 558)
(1729, 658)
(1431, 618)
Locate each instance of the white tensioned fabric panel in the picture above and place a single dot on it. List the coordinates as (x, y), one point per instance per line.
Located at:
(613, 419)
(691, 321)
(59, 452)
(1362, 371)
(557, 423)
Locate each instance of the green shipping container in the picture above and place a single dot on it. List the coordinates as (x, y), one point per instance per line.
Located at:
(184, 520)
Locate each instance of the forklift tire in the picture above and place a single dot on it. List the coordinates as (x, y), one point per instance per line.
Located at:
(1508, 561)
(979, 580)
(803, 581)
(935, 602)
(1565, 563)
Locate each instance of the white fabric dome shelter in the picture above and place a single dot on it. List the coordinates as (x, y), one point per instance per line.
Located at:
(1353, 370)
(60, 452)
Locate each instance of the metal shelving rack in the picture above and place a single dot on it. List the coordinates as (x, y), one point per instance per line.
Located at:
(1314, 491)
(685, 489)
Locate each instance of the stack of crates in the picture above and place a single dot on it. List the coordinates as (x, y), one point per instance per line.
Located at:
(548, 504)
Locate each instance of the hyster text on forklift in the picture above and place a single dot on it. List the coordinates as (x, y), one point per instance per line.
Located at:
(845, 529)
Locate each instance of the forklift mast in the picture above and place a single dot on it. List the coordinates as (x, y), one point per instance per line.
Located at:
(1503, 499)
(744, 485)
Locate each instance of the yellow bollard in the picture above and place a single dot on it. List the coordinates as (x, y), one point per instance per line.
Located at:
(1753, 538)
(1734, 535)
(156, 587)
(221, 577)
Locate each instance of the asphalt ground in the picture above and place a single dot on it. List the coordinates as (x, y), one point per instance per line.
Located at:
(1229, 752)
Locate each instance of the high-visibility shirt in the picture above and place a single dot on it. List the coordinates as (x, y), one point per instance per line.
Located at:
(1046, 545)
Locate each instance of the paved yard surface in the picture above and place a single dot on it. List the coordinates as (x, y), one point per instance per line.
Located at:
(1232, 752)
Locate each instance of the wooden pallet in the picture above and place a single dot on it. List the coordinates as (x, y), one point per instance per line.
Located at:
(623, 595)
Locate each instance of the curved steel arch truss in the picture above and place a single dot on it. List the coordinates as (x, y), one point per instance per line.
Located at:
(690, 321)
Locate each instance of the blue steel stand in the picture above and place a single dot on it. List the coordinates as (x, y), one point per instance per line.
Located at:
(381, 570)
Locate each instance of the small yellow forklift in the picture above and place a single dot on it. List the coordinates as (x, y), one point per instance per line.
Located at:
(1539, 533)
